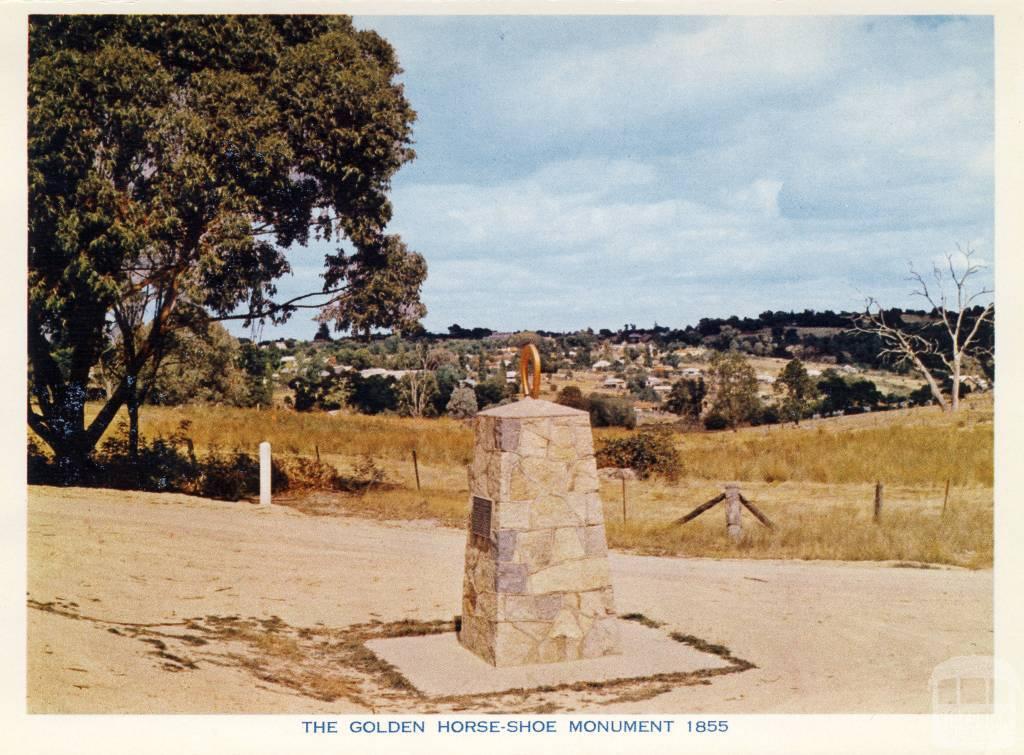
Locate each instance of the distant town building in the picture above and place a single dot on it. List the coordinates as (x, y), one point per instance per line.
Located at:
(381, 372)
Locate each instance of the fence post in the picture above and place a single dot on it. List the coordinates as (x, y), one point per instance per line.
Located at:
(733, 508)
(264, 473)
(416, 467)
(623, 496)
(878, 501)
(945, 498)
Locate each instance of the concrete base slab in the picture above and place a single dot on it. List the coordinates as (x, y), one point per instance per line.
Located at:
(438, 666)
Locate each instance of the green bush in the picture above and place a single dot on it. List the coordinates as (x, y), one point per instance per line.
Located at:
(715, 421)
(648, 452)
(607, 411)
(170, 465)
(462, 403)
(492, 391)
(768, 415)
(573, 397)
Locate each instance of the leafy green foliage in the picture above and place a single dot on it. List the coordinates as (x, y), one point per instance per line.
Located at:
(493, 391)
(373, 394)
(201, 367)
(715, 421)
(572, 396)
(799, 391)
(841, 396)
(608, 411)
(687, 398)
(417, 392)
(735, 388)
(649, 452)
(462, 404)
(172, 162)
(169, 464)
(448, 377)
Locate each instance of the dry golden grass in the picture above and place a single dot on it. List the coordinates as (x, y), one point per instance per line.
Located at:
(300, 433)
(816, 481)
(812, 521)
(910, 447)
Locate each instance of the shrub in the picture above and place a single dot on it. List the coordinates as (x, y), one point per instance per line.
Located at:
(607, 411)
(169, 464)
(715, 421)
(573, 397)
(492, 391)
(301, 473)
(648, 452)
(374, 394)
(462, 403)
(367, 473)
(768, 415)
(228, 476)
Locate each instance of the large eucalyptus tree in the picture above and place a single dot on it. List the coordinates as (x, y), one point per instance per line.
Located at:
(173, 163)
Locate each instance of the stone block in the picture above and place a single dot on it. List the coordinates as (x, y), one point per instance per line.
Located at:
(566, 545)
(512, 515)
(548, 606)
(552, 510)
(577, 503)
(533, 443)
(533, 548)
(483, 433)
(506, 544)
(513, 647)
(583, 478)
(486, 606)
(511, 578)
(545, 475)
(536, 630)
(521, 487)
(517, 608)
(595, 540)
(551, 650)
(597, 603)
(571, 576)
(565, 625)
(602, 639)
(506, 434)
(595, 509)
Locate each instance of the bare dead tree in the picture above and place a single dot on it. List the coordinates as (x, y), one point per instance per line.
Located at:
(955, 304)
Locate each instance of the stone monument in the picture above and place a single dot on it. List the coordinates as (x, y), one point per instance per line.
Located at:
(536, 586)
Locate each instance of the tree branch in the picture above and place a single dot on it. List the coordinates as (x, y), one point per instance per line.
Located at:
(285, 306)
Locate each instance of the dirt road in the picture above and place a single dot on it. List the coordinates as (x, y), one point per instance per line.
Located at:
(110, 571)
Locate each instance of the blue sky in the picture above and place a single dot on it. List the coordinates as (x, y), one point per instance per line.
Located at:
(591, 171)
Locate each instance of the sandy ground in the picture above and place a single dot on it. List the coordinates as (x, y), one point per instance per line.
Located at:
(825, 637)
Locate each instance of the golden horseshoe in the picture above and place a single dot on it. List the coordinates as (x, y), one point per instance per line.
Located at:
(529, 379)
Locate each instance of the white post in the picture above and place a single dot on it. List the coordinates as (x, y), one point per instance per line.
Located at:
(264, 473)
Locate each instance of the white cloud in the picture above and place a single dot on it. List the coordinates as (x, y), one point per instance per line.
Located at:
(689, 167)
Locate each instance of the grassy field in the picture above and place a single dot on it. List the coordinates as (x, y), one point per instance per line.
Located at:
(816, 481)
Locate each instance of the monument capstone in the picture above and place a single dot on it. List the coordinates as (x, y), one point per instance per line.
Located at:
(536, 587)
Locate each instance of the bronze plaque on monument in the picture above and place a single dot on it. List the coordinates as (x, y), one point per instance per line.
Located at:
(481, 518)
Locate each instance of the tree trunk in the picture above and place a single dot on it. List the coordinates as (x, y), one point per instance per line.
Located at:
(932, 384)
(955, 392)
(67, 436)
(133, 417)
